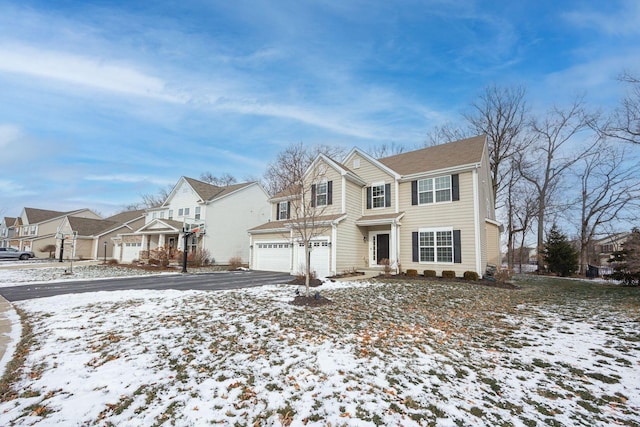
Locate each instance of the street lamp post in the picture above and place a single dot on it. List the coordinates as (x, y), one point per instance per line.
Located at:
(105, 252)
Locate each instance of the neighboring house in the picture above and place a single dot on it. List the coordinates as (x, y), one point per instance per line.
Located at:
(7, 232)
(93, 238)
(36, 228)
(602, 249)
(222, 216)
(429, 209)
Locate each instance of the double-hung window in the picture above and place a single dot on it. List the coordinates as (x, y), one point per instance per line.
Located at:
(377, 196)
(283, 210)
(197, 212)
(436, 190)
(435, 245)
(321, 194)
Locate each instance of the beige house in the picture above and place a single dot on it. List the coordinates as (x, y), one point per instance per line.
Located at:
(221, 216)
(429, 209)
(91, 238)
(36, 229)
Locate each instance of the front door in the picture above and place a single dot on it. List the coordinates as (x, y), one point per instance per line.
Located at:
(382, 247)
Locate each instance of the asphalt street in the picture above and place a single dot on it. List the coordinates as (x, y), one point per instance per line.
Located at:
(203, 282)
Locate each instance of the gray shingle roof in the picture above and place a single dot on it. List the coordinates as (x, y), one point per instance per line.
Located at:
(90, 226)
(210, 192)
(457, 153)
(35, 216)
(127, 216)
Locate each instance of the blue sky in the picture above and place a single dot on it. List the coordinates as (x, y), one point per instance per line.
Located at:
(102, 101)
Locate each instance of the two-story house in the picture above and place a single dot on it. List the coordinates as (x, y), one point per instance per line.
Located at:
(8, 232)
(221, 216)
(429, 209)
(36, 229)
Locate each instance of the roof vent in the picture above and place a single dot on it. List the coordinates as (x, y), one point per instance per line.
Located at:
(356, 163)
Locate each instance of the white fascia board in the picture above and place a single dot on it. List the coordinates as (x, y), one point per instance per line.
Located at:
(445, 171)
(268, 231)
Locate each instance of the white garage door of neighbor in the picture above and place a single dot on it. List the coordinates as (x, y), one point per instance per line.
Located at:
(273, 256)
(319, 258)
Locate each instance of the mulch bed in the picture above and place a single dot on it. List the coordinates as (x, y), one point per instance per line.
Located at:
(312, 301)
(483, 282)
(299, 281)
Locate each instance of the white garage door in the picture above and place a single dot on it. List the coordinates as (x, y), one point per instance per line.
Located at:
(273, 256)
(319, 258)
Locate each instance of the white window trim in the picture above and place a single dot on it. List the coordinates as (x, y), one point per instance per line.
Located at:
(283, 215)
(434, 230)
(378, 184)
(433, 191)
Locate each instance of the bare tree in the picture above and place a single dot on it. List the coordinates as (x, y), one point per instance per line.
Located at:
(443, 134)
(521, 208)
(291, 163)
(609, 187)
(386, 150)
(223, 180)
(309, 194)
(625, 123)
(552, 156)
(501, 114)
(151, 200)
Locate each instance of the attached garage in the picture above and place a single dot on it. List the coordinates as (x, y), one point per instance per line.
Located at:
(273, 256)
(320, 257)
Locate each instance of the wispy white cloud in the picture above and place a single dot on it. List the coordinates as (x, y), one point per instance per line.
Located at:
(620, 18)
(131, 178)
(85, 71)
(9, 134)
(10, 188)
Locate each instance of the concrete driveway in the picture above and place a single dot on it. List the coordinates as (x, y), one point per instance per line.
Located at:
(204, 282)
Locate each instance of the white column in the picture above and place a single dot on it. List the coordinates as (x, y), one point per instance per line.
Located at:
(393, 247)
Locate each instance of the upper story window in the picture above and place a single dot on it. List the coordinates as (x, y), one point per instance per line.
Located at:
(186, 211)
(162, 214)
(154, 215)
(170, 214)
(197, 212)
(181, 212)
(321, 194)
(283, 210)
(377, 196)
(435, 190)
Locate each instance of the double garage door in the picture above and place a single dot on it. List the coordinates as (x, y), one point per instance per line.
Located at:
(278, 256)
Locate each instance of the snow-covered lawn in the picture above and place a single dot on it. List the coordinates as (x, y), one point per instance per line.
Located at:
(553, 352)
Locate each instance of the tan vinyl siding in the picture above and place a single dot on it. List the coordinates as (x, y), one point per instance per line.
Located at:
(372, 174)
(84, 249)
(459, 215)
(41, 243)
(49, 227)
(336, 199)
(351, 250)
(493, 244)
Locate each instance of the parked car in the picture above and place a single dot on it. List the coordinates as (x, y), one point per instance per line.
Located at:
(14, 253)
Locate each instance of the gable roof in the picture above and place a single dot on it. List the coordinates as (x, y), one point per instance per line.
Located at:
(9, 221)
(458, 153)
(208, 192)
(124, 217)
(339, 167)
(38, 215)
(90, 226)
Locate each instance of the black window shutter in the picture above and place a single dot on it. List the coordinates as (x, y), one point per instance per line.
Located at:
(414, 193)
(457, 247)
(414, 244)
(313, 195)
(455, 187)
(288, 210)
(368, 197)
(278, 211)
(387, 195)
(330, 192)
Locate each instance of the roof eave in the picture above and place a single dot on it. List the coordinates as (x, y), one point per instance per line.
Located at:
(443, 171)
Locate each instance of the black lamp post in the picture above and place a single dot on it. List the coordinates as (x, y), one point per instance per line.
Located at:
(105, 252)
(187, 234)
(61, 246)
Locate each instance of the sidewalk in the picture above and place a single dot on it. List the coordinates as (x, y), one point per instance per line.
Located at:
(10, 331)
